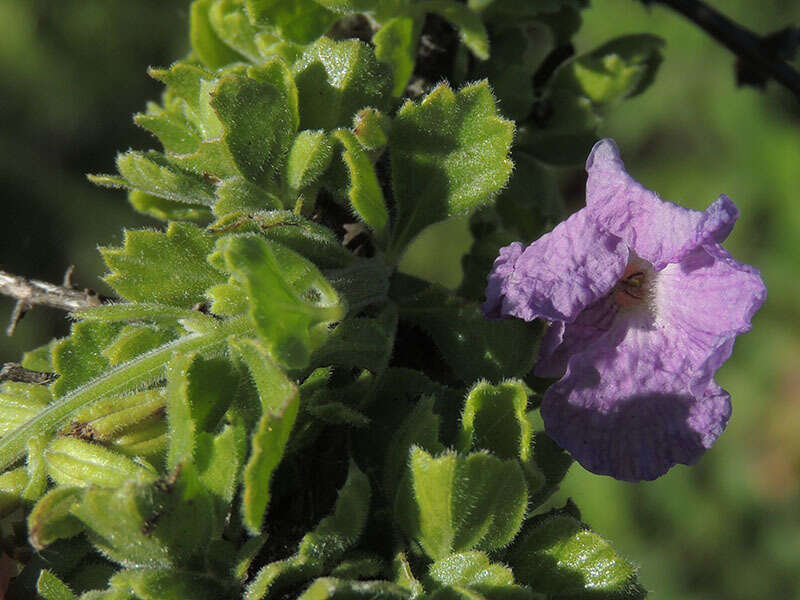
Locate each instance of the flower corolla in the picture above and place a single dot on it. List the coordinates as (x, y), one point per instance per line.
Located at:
(644, 305)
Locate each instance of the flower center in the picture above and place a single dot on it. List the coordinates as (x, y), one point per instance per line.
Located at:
(635, 288)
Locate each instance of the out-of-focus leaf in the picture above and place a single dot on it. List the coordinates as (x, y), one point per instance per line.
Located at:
(470, 27)
(300, 21)
(618, 69)
(209, 48)
(404, 577)
(337, 79)
(455, 503)
(165, 268)
(396, 45)
(230, 23)
(561, 557)
(449, 156)
(279, 404)
(473, 346)
(291, 303)
(552, 462)
(78, 358)
(366, 196)
(259, 117)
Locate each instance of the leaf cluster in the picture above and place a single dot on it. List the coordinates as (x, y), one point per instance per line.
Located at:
(271, 410)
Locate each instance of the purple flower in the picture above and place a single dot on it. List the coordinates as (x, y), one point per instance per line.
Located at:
(644, 306)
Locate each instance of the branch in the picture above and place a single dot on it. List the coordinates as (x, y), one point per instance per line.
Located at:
(754, 51)
(16, 372)
(30, 292)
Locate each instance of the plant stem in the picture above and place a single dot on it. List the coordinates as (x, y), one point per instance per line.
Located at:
(141, 370)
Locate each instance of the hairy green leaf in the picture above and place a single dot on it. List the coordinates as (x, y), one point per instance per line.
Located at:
(259, 118)
(167, 210)
(133, 340)
(230, 23)
(562, 557)
(309, 157)
(79, 358)
(176, 131)
(279, 405)
(236, 194)
(166, 584)
(337, 79)
(291, 303)
(332, 588)
(71, 461)
(472, 573)
(51, 520)
(165, 268)
(454, 503)
(449, 156)
(366, 196)
(51, 587)
(396, 45)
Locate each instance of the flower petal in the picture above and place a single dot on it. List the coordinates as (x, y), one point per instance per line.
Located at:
(658, 231)
(708, 299)
(625, 407)
(562, 340)
(558, 275)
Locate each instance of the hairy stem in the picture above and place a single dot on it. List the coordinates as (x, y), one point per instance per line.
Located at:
(145, 369)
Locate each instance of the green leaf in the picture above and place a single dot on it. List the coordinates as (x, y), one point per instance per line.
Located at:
(331, 588)
(339, 531)
(259, 118)
(350, 6)
(237, 194)
(621, 68)
(17, 405)
(218, 459)
(291, 303)
(165, 268)
(552, 462)
(12, 487)
(468, 569)
(191, 84)
(36, 466)
(561, 557)
(176, 131)
(51, 520)
(531, 205)
(71, 461)
(404, 577)
(449, 156)
(309, 157)
(371, 128)
(134, 340)
(230, 23)
(166, 584)
(152, 173)
(51, 587)
(455, 503)
(366, 196)
(107, 418)
(396, 45)
(300, 21)
(167, 210)
(361, 342)
(473, 346)
(470, 27)
(77, 359)
(420, 429)
(208, 47)
(337, 79)
(495, 419)
(198, 394)
(315, 242)
(279, 405)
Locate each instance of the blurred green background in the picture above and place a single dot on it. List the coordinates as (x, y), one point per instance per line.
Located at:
(73, 73)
